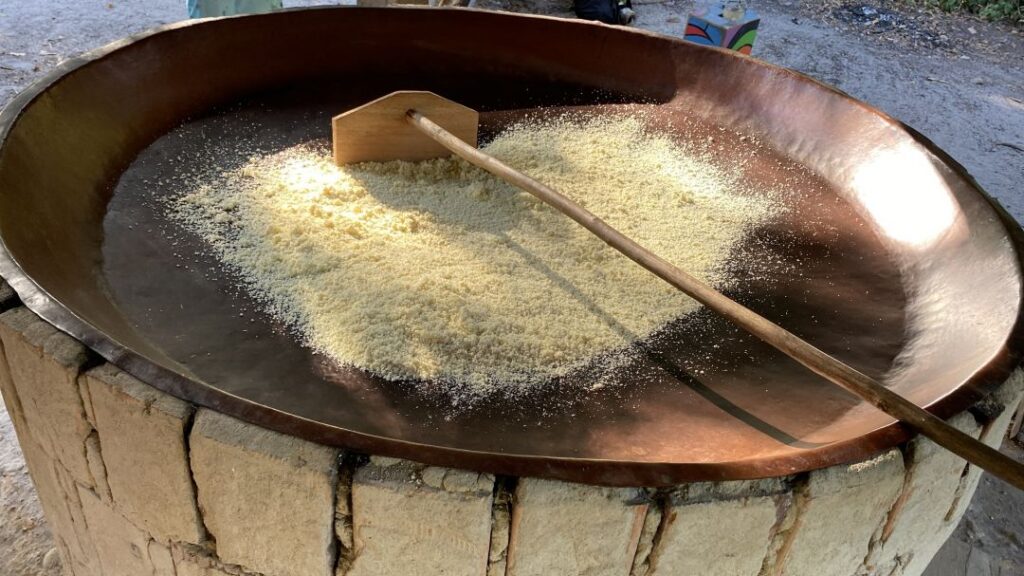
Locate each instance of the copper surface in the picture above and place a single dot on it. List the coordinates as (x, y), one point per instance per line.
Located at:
(890, 257)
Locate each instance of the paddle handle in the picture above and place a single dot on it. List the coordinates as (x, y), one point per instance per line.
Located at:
(819, 362)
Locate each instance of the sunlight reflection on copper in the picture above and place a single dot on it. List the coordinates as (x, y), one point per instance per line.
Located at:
(902, 192)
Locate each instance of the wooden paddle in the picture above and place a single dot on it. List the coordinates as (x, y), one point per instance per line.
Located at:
(393, 128)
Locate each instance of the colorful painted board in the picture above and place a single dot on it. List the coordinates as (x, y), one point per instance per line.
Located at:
(207, 8)
(709, 27)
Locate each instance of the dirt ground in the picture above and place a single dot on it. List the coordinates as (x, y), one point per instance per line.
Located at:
(957, 80)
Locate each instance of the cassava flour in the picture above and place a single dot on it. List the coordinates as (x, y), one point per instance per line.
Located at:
(437, 270)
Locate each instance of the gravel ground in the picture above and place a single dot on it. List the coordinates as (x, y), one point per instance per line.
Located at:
(957, 80)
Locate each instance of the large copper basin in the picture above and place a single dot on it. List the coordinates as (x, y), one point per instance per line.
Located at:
(891, 257)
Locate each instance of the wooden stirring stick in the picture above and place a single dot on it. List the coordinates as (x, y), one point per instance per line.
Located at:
(835, 371)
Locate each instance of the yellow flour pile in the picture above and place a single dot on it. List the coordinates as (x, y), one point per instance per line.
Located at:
(436, 270)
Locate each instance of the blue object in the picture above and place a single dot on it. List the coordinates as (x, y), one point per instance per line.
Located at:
(207, 8)
(711, 28)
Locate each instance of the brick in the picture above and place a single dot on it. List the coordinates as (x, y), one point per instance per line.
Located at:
(410, 520)
(917, 527)
(10, 397)
(718, 528)
(122, 548)
(58, 496)
(563, 528)
(44, 366)
(1008, 396)
(78, 534)
(267, 498)
(838, 512)
(142, 436)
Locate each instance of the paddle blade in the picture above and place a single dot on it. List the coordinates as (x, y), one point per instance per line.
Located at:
(378, 131)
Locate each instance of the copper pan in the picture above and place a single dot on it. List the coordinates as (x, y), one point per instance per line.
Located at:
(891, 257)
